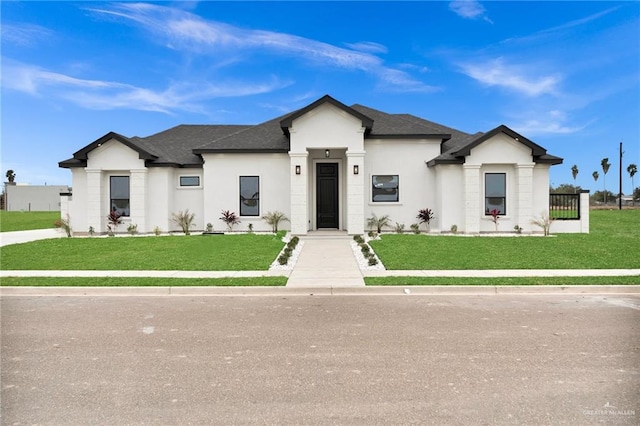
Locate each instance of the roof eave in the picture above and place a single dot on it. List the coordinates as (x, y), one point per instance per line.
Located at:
(442, 137)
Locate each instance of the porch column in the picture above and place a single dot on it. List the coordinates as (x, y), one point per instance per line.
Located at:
(138, 198)
(472, 210)
(355, 192)
(524, 212)
(299, 192)
(96, 214)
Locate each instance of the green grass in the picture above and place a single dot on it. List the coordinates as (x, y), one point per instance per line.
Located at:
(244, 252)
(613, 243)
(24, 221)
(143, 282)
(432, 281)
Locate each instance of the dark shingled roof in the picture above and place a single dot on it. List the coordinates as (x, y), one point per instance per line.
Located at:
(182, 145)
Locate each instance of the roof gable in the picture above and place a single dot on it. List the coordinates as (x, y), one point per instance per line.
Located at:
(287, 121)
(80, 157)
(457, 152)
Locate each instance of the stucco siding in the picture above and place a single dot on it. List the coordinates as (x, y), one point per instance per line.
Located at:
(326, 127)
(417, 184)
(450, 198)
(187, 198)
(222, 187)
(113, 155)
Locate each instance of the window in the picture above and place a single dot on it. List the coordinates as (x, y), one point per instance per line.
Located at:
(119, 190)
(249, 196)
(495, 193)
(189, 180)
(385, 188)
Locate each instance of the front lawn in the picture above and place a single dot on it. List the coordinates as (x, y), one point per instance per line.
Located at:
(25, 221)
(614, 243)
(436, 281)
(246, 252)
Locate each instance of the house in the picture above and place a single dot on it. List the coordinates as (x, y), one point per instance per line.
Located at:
(32, 198)
(326, 166)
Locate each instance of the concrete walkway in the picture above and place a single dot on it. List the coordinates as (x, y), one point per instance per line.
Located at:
(18, 237)
(326, 262)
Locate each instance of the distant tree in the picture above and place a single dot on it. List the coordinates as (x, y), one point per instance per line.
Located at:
(574, 173)
(565, 188)
(11, 176)
(595, 176)
(605, 168)
(636, 194)
(632, 169)
(601, 196)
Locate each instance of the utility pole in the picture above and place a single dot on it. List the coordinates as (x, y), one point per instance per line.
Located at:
(620, 182)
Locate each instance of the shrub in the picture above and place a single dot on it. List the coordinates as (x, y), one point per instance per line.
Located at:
(184, 220)
(132, 229)
(373, 261)
(518, 229)
(64, 223)
(454, 229)
(113, 220)
(378, 222)
(425, 216)
(372, 234)
(157, 231)
(274, 218)
(415, 228)
(91, 231)
(495, 216)
(230, 218)
(543, 221)
(358, 239)
(399, 228)
(209, 227)
(365, 249)
(283, 259)
(250, 228)
(294, 241)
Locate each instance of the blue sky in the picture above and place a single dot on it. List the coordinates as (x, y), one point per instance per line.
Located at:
(564, 74)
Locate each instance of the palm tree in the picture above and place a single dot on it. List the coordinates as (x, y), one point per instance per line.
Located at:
(605, 168)
(574, 173)
(595, 176)
(632, 169)
(11, 176)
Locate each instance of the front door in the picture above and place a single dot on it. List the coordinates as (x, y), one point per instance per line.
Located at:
(327, 195)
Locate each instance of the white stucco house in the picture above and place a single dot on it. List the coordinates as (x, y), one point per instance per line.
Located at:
(326, 166)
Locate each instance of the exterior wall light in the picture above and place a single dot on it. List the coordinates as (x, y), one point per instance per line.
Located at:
(356, 169)
(327, 153)
(298, 170)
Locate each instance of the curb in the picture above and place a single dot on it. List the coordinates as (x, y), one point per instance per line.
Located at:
(325, 291)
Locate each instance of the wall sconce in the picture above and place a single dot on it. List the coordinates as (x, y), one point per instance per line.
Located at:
(327, 153)
(297, 170)
(356, 169)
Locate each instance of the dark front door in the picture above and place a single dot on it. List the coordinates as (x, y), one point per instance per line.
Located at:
(327, 195)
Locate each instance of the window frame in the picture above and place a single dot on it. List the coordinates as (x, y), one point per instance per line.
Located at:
(242, 202)
(127, 210)
(487, 211)
(181, 185)
(373, 188)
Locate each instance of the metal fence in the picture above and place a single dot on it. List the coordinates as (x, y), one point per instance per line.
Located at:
(564, 206)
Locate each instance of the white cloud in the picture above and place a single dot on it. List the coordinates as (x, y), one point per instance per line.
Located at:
(24, 34)
(107, 95)
(513, 77)
(181, 30)
(469, 9)
(544, 123)
(367, 46)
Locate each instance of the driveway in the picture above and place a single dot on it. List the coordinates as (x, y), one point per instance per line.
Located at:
(16, 237)
(489, 359)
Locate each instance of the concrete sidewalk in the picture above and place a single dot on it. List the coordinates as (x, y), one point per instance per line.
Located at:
(326, 262)
(18, 237)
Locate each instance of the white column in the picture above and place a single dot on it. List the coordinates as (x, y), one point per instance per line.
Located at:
(138, 199)
(96, 214)
(355, 193)
(524, 211)
(584, 211)
(299, 192)
(472, 209)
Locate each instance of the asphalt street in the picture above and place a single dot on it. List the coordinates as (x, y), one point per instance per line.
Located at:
(365, 360)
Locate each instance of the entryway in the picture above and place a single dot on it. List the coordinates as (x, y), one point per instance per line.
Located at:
(327, 196)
